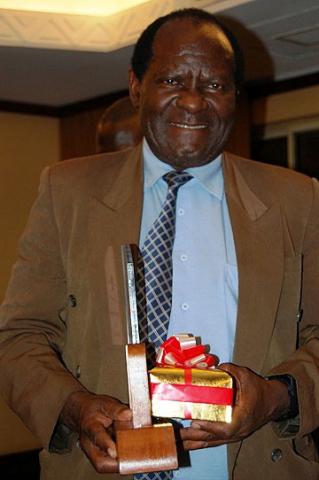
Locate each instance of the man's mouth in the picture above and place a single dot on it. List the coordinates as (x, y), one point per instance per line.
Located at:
(188, 126)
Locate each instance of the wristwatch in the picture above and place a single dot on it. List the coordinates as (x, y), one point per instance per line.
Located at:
(290, 382)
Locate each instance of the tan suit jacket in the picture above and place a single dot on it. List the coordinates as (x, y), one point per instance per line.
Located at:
(63, 321)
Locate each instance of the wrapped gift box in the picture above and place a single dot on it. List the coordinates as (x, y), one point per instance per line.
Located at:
(191, 393)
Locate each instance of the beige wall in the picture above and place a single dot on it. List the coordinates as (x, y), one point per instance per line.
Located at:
(281, 107)
(27, 144)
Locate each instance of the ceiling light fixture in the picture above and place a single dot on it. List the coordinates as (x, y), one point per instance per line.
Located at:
(74, 7)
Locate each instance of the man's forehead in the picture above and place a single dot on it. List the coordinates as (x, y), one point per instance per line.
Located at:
(185, 34)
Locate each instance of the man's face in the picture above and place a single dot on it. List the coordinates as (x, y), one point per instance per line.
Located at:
(186, 98)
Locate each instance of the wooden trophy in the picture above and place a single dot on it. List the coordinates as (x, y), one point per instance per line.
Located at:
(142, 447)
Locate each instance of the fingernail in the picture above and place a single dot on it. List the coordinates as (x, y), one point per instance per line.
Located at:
(112, 452)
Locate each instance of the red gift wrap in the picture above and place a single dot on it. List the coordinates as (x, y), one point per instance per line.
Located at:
(177, 390)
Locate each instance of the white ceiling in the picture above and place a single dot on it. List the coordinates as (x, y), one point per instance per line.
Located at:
(66, 61)
(80, 7)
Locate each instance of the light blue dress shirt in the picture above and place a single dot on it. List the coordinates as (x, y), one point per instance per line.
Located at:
(205, 278)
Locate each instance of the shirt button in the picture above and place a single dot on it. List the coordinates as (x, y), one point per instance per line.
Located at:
(185, 306)
(184, 257)
(181, 211)
(276, 455)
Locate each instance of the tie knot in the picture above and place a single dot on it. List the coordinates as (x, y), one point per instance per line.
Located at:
(176, 179)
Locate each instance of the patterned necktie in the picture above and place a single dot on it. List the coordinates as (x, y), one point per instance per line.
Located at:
(154, 286)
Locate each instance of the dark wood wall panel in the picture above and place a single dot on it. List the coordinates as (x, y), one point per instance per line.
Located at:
(77, 133)
(239, 142)
(78, 125)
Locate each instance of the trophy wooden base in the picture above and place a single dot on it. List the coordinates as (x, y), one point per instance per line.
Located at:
(146, 449)
(143, 447)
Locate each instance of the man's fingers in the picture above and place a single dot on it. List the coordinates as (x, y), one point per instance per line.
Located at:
(194, 434)
(213, 433)
(117, 410)
(98, 436)
(124, 414)
(216, 428)
(94, 419)
(228, 367)
(194, 445)
(204, 434)
(102, 461)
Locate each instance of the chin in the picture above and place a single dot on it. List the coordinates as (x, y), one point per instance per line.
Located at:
(189, 159)
(187, 162)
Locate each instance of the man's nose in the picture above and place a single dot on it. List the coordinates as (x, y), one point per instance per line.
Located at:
(192, 100)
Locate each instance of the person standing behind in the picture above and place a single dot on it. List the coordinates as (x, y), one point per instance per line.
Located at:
(118, 127)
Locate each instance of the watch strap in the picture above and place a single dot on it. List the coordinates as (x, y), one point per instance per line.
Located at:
(290, 382)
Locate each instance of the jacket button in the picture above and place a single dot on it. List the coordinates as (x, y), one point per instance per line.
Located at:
(78, 371)
(276, 455)
(72, 301)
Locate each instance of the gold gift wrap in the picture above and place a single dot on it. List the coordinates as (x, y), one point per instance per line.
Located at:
(191, 393)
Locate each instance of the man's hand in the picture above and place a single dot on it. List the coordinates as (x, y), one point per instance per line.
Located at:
(92, 417)
(257, 402)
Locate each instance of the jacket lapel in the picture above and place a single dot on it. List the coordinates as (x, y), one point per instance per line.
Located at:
(114, 220)
(259, 247)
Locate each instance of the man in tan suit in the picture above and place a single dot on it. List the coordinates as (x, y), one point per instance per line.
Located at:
(62, 329)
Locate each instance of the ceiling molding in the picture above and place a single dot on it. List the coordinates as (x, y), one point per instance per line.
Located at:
(77, 32)
(90, 33)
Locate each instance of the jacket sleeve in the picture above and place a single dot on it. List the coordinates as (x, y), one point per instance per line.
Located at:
(33, 380)
(303, 365)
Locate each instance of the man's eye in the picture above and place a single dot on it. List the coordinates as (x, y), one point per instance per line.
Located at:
(170, 81)
(215, 86)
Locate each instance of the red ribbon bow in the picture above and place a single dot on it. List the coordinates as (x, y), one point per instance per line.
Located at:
(182, 351)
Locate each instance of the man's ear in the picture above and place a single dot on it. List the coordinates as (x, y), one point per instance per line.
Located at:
(134, 88)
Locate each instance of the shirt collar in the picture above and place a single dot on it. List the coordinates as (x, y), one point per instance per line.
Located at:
(210, 176)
